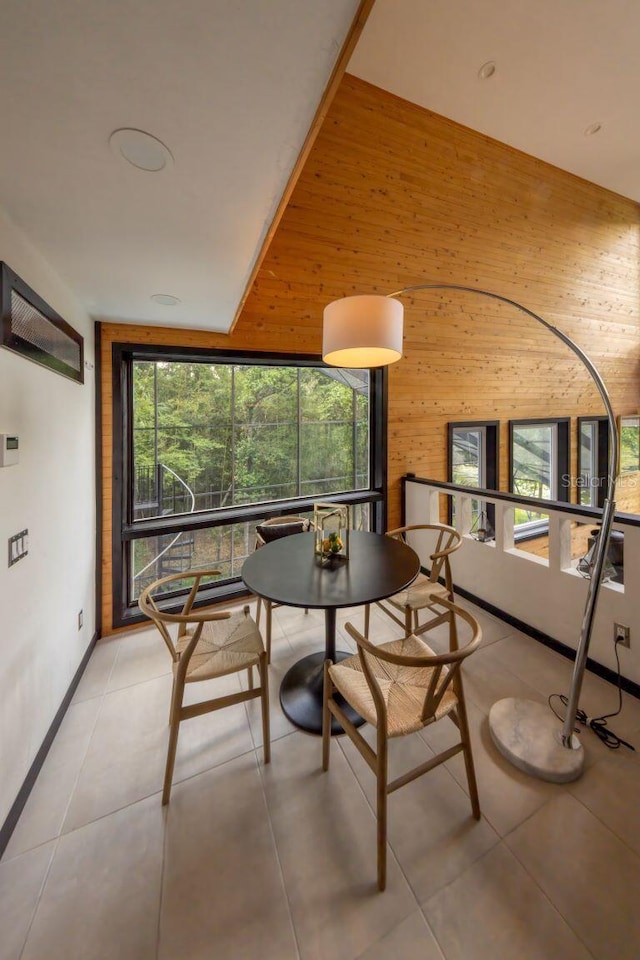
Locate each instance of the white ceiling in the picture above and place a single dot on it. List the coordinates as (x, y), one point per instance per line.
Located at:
(231, 87)
(561, 65)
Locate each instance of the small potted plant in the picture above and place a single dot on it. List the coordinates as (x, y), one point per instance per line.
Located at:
(332, 544)
(331, 532)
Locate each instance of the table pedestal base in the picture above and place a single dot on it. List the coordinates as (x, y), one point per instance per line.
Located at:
(301, 695)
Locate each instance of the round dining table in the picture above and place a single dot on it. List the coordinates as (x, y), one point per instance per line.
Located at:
(286, 571)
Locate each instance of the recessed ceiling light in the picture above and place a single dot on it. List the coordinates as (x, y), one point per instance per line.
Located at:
(487, 70)
(592, 128)
(141, 149)
(165, 299)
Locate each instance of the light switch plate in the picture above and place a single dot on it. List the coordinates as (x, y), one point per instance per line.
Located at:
(18, 546)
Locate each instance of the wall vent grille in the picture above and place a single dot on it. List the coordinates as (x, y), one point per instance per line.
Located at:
(33, 329)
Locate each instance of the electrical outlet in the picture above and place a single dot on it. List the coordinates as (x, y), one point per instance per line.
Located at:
(622, 635)
(80, 619)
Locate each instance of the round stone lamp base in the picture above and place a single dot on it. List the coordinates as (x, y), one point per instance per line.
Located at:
(530, 737)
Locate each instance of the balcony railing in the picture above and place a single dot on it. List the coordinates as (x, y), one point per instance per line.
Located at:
(537, 582)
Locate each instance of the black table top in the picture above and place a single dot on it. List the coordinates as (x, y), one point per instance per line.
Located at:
(286, 571)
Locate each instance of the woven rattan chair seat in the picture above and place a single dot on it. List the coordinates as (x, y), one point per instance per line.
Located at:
(403, 688)
(420, 594)
(225, 646)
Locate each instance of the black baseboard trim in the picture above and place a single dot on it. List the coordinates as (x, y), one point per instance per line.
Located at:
(13, 816)
(629, 686)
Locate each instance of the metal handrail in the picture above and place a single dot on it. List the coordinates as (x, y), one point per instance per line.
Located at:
(176, 538)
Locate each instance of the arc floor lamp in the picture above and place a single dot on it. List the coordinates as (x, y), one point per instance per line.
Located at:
(366, 331)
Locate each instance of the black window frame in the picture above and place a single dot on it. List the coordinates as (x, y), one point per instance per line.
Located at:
(562, 493)
(124, 529)
(492, 458)
(602, 464)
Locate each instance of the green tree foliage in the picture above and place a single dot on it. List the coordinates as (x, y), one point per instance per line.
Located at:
(629, 447)
(240, 434)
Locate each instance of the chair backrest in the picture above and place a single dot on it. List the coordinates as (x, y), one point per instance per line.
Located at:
(279, 525)
(447, 541)
(444, 667)
(163, 618)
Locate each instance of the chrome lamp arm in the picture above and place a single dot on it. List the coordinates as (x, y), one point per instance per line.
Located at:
(608, 510)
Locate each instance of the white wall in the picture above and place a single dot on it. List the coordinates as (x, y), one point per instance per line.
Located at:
(52, 493)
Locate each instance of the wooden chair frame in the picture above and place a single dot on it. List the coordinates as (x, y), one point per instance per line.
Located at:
(440, 681)
(448, 541)
(177, 711)
(270, 605)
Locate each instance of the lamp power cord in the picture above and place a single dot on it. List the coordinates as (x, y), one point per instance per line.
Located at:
(598, 724)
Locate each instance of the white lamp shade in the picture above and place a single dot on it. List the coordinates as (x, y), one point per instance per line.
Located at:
(363, 331)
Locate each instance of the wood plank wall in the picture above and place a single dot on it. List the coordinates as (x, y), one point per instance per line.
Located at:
(393, 195)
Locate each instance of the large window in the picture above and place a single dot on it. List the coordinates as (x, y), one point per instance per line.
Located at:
(473, 462)
(539, 467)
(210, 445)
(593, 456)
(629, 445)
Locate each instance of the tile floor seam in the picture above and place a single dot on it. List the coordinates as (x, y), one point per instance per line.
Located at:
(375, 817)
(75, 784)
(292, 925)
(128, 686)
(153, 793)
(56, 843)
(498, 838)
(551, 903)
(77, 778)
(426, 918)
(600, 820)
(469, 696)
(554, 908)
(470, 866)
(609, 829)
(465, 789)
(113, 665)
(380, 939)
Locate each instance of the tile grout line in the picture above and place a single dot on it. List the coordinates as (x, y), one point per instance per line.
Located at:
(36, 906)
(373, 812)
(292, 925)
(153, 793)
(80, 768)
(551, 903)
(73, 788)
(499, 840)
(106, 682)
(597, 816)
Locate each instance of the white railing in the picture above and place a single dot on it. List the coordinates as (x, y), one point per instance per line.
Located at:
(546, 593)
(175, 540)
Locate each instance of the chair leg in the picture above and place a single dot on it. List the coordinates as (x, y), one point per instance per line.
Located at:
(408, 621)
(267, 610)
(173, 697)
(258, 611)
(176, 706)
(381, 806)
(264, 699)
(463, 725)
(250, 677)
(367, 614)
(326, 716)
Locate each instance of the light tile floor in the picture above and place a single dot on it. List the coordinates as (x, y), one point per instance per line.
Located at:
(278, 862)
